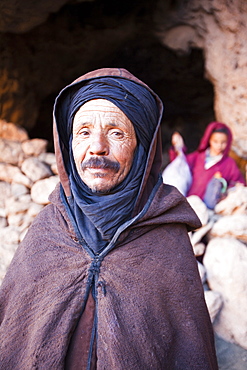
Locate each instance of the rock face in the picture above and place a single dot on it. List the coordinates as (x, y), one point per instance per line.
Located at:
(218, 28)
(226, 264)
(29, 14)
(221, 245)
(172, 45)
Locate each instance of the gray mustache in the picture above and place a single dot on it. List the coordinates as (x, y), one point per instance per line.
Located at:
(100, 162)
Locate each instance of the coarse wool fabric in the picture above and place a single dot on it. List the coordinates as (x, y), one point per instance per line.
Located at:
(150, 311)
(152, 314)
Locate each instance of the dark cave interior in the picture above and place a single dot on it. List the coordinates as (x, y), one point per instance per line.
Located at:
(90, 35)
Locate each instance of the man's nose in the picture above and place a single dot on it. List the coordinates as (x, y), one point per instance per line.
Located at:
(99, 145)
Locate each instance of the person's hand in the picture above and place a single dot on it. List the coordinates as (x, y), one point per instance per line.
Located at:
(217, 175)
(177, 141)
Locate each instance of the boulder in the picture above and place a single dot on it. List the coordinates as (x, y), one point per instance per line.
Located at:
(5, 192)
(200, 208)
(214, 303)
(9, 235)
(18, 190)
(34, 147)
(197, 236)
(34, 209)
(234, 203)
(35, 170)
(9, 173)
(3, 222)
(48, 158)
(11, 152)
(231, 226)
(226, 264)
(16, 219)
(14, 206)
(2, 212)
(199, 249)
(41, 189)
(13, 132)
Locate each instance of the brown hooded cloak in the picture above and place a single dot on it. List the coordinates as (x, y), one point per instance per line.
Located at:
(147, 310)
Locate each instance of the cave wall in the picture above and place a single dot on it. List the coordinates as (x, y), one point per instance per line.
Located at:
(192, 53)
(219, 28)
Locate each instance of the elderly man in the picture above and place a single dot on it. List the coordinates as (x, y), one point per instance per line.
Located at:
(106, 277)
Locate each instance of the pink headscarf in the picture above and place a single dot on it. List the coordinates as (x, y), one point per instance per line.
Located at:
(204, 143)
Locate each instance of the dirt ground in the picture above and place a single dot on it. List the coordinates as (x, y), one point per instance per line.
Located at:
(230, 356)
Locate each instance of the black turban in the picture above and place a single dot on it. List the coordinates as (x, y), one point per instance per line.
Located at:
(134, 100)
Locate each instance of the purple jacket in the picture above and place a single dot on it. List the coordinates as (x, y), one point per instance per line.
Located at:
(226, 166)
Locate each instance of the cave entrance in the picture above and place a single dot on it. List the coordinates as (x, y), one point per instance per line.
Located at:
(179, 81)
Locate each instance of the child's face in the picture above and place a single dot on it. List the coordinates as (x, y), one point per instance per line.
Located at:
(217, 143)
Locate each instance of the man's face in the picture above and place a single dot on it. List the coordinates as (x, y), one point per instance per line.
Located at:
(103, 144)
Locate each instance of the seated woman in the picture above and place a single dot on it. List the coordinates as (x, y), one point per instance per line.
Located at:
(213, 171)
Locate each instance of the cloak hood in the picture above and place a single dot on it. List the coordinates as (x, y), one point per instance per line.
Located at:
(147, 293)
(204, 143)
(154, 157)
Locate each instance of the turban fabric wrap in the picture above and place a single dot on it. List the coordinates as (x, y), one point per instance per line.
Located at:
(134, 100)
(97, 215)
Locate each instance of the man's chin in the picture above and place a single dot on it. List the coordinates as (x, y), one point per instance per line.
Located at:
(99, 187)
(100, 191)
(101, 183)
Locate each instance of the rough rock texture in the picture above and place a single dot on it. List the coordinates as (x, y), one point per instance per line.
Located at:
(234, 203)
(220, 244)
(42, 189)
(26, 181)
(214, 303)
(12, 132)
(219, 28)
(226, 264)
(233, 225)
(21, 16)
(200, 207)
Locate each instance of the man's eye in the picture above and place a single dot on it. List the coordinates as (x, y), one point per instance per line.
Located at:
(117, 134)
(84, 132)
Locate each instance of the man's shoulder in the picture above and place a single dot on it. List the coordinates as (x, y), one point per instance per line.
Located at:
(52, 220)
(170, 206)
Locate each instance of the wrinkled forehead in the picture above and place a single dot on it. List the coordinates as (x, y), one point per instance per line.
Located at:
(99, 105)
(101, 110)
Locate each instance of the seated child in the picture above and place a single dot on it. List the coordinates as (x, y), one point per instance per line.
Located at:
(213, 171)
